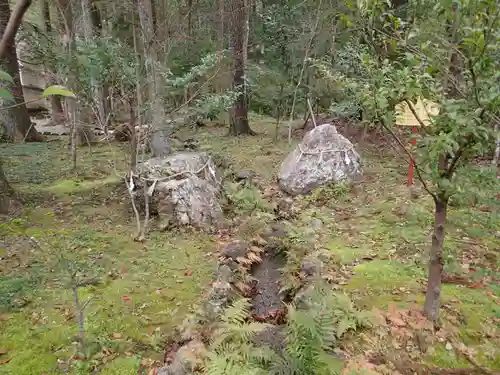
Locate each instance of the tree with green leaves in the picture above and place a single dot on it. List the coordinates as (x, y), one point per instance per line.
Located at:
(448, 54)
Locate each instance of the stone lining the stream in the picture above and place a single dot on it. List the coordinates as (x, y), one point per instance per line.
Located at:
(260, 266)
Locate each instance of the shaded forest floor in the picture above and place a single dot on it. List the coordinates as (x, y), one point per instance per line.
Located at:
(377, 232)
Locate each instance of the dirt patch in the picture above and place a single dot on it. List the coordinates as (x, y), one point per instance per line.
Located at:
(267, 304)
(266, 298)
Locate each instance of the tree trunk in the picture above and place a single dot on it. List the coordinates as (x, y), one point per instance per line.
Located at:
(6, 191)
(433, 294)
(102, 89)
(133, 134)
(496, 156)
(239, 38)
(157, 112)
(451, 83)
(57, 111)
(80, 134)
(15, 120)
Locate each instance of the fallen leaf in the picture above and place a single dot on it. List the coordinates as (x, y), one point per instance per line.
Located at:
(3, 351)
(4, 360)
(117, 335)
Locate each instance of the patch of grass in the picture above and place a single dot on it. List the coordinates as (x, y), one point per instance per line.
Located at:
(440, 357)
(34, 340)
(12, 291)
(347, 254)
(72, 186)
(124, 366)
(379, 283)
(478, 307)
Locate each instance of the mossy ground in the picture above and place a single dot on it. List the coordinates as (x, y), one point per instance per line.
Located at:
(82, 220)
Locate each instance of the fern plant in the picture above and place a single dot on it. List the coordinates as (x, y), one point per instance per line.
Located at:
(231, 350)
(313, 332)
(246, 199)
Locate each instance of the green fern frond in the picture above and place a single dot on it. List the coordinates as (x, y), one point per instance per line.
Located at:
(238, 312)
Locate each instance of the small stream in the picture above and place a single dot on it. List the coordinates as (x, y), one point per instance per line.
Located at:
(267, 298)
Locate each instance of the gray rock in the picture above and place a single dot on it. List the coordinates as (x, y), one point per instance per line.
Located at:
(187, 360)
(315, 264)
(316, 223)
(181, 165)
(323, 157)
(285, 208)
(276, 230)
(186, 191)
(235, 249)
(54, 129)
(275, 237)
(225, 274)
(243, 176)
(218, 298)
(313, 267)
(190, 201)
(160, 144)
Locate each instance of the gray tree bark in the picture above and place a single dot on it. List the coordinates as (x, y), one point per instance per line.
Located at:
(156, 113)
(239, 43)
(56, 107)
(15, 119)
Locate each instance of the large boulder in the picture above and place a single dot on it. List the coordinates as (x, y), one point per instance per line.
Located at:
(185, 189)
(323, 157)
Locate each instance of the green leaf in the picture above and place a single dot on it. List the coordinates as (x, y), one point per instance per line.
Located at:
(57, 90)
(6, 94)
(4, 76)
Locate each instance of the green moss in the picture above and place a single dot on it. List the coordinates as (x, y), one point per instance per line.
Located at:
(443, 358)
(122, 366)
(478, 308)
(347, 255)
(72, 186)
(384, 274)
(33, 344)
(376, 281)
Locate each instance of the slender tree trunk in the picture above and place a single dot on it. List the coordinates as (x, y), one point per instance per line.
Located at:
(239, 39)
(451, 83)
(88, 32)
(155, 97)
(56, 107)
(436, 263)
(16, 120)
(133, 134)
(80, 134)
(6, 191)
(496, 156)
(103, 94)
